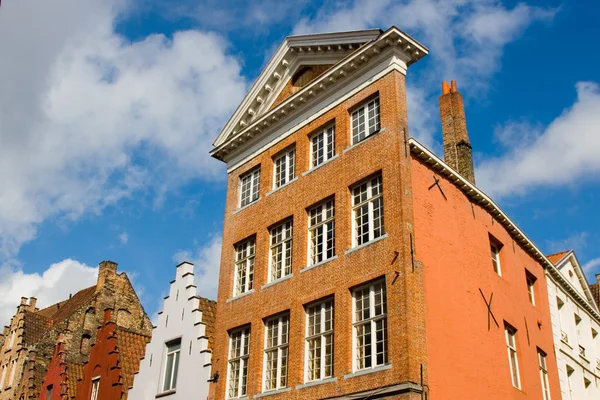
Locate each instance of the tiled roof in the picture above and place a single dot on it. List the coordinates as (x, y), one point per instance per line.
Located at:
(73, 304)
(209, 309)
(554, 258)
(132, 347)
(74, 374)
(35, 325)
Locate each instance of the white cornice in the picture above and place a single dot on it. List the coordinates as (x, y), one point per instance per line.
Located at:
(245, 124)
(479, 197)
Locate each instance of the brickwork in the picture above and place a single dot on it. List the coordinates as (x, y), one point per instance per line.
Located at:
(38, 330)
(466, 359)
(388, 258)
(457, 147)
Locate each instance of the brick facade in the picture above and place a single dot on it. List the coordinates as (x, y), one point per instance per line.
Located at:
(37, 331)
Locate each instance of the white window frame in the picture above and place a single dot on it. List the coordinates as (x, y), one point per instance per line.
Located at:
(321, 232)
(238, 386)
(365, 120)
(278, 348)
(530, 279)
(322, 146)
(284, 168)
(544, 375)
(513, 357)
(245, 254)
(176, 354)
(495, 254)
(95, 388)
(249, 187)
(280, 250)
(371, 207)
(371, 321)
(322, 335)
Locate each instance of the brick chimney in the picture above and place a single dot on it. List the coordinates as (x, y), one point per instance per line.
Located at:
(106, 271)
(457, 148)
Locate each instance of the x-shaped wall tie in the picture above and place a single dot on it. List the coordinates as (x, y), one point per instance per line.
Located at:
(489, 307)
(437, 183)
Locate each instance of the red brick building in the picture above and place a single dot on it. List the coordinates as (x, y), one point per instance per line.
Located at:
(114, 359)
(356, 263)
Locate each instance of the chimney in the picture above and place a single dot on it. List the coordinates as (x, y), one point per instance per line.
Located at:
(106, 271)
(457, 148)
(32, 303)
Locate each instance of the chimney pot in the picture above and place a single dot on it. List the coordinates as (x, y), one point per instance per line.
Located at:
(23, 301)
(453, 88)
(445, 88)
(32, 303)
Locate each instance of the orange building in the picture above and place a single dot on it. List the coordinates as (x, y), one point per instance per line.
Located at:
(357, 264)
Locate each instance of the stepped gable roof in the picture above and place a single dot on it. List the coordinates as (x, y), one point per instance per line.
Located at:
(35, 326)
(555, 258)
(131, 347)
(209, 309)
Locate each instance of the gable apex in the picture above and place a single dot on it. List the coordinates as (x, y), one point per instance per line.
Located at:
(338, 50)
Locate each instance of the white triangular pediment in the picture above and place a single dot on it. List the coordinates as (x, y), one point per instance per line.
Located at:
(569, 267)
(295, 53)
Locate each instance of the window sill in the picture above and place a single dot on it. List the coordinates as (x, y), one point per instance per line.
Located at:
(309, 267)
(384, 236)
(566, 344)
(165, 394)
(320, 165)
(246, 206)
(364, 140)
(368, 371)
(239, 296)
(281, 187)
(315, 383)
(285, 278)
(272, 392)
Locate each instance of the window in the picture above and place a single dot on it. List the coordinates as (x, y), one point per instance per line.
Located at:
(85, 345)
(280, 262)
(49, 392)
(530, 278)
(495, 249)
(370, 320)
(319, 341)
(249, 185)
(276, 352)
(239, 349)
(321, 232)
(12, 339)
(3, 377)
(511, 345)
(95, 388)
(365, 121)
(582, 351)
(284, 168)
(322, 146)
(544, 375)
(244, 266)
(172, 365)
(367, 207)
(13, 369)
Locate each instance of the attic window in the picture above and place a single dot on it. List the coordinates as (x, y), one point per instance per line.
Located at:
(302, 77)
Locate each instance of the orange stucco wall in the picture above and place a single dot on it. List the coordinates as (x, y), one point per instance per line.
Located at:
(465, 359)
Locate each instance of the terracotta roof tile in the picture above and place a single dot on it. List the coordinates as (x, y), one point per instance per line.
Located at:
(554, 258)
(74, 375)
(132, 347)
(73, 304)
(209, 309)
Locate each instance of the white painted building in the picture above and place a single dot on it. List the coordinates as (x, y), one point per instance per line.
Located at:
(576, 328)
(177, 362)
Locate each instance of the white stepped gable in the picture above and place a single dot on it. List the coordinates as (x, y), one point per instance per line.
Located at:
(180, 320)
(346, 52)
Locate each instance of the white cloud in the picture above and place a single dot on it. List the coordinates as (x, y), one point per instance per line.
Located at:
(565, 152)
(592, 267)
(49, 287)
(206, 260)
(466, 39)
(124, 238)
(88, 118)
(576, 242)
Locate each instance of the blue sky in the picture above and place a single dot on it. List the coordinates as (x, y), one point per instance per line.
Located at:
(108, 110)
